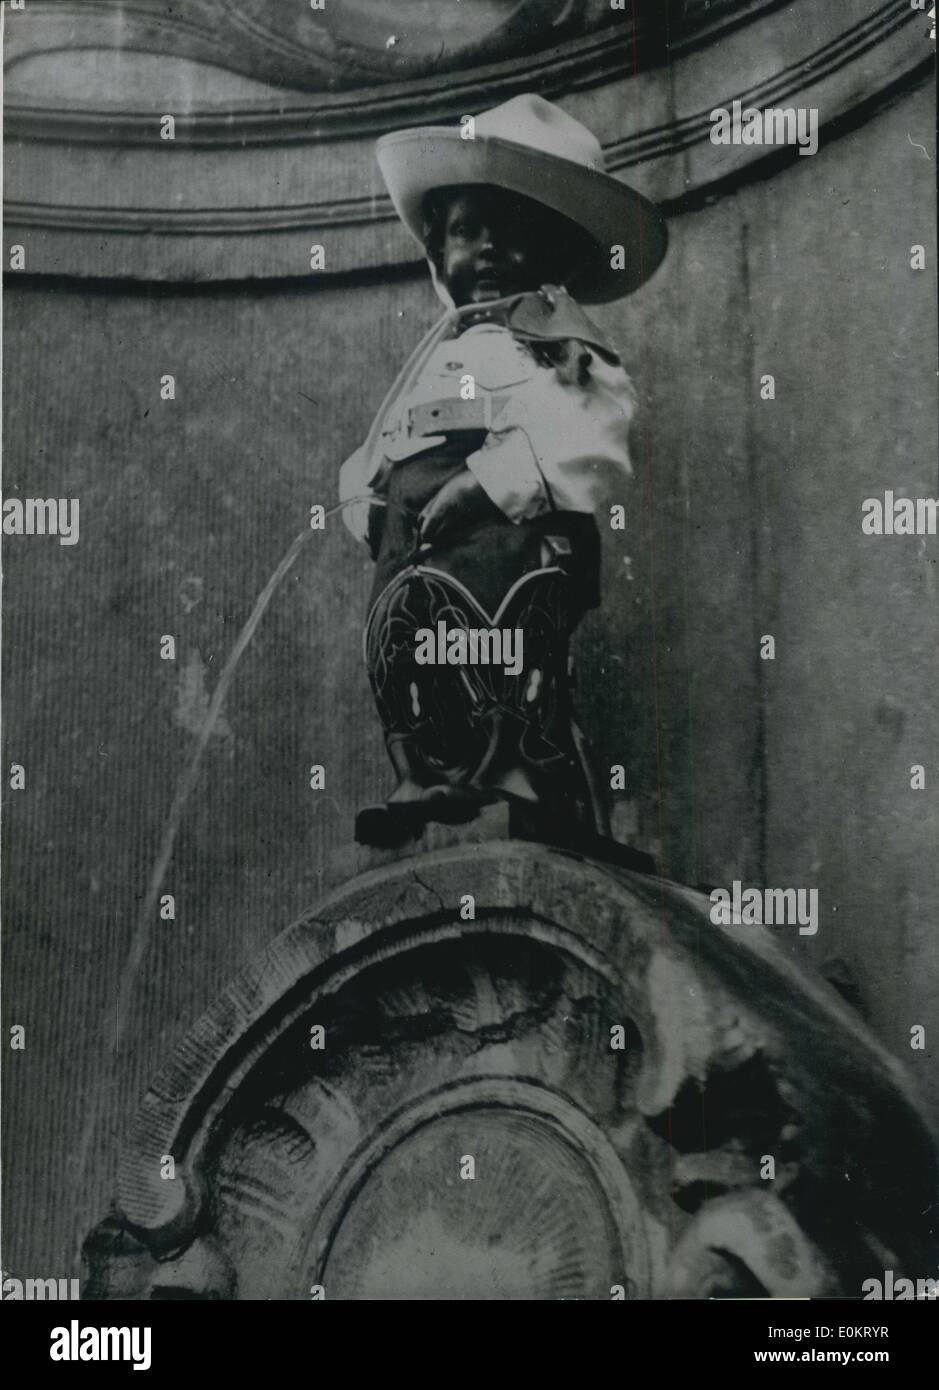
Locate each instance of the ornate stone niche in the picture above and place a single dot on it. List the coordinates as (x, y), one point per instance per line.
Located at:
(351, 43)
(595, 1168)
(277, 108)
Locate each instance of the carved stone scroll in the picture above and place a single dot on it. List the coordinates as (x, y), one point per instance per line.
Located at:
(616, 1068)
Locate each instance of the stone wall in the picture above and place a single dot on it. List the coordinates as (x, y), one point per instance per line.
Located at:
(744, 520)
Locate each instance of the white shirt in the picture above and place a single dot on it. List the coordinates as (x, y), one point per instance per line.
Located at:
(552, 443)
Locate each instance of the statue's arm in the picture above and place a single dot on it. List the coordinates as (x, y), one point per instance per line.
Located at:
(561, 443)
(353, 484)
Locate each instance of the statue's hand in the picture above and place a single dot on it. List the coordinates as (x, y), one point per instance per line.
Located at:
(459, 503)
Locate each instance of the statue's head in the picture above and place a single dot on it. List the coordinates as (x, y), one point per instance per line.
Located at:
(485, 243)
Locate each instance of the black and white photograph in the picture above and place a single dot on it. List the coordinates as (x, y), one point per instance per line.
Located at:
(470, 645)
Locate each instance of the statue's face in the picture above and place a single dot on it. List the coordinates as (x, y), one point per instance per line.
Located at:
(496, 244)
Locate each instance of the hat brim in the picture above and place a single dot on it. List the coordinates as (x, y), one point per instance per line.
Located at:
(414, 162)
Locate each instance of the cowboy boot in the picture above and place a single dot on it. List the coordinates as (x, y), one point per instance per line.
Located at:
(529, 752)
(413, 803)
(502, 772)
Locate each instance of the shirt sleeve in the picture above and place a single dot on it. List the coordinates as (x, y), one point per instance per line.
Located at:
(352, 484)
(559, 445)
(357, 476)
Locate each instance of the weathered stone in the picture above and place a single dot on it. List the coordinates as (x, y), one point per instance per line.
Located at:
(575, 1090)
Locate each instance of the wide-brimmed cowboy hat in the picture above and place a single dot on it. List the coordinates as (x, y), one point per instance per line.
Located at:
(532, 147)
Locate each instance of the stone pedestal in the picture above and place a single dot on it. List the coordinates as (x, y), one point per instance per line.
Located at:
(499, 1070)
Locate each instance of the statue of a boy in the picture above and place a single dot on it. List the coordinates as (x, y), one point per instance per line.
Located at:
(502, 437)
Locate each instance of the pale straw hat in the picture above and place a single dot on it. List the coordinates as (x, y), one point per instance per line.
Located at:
(532, 147)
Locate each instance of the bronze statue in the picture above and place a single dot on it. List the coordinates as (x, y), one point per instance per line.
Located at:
(479, 482)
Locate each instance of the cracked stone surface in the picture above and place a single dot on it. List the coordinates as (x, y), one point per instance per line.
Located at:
(468, 1130)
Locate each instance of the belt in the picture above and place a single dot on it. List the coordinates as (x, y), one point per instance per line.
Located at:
(436, 417)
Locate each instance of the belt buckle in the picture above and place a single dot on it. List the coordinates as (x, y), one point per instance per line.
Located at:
(410, 416)
(399, 443)
(433, 425)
